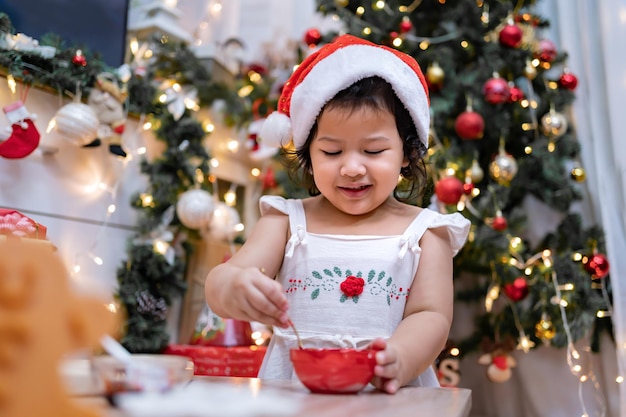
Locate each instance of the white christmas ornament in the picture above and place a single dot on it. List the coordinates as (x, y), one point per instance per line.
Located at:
(77, 123)
(195, 208)
(222, 225)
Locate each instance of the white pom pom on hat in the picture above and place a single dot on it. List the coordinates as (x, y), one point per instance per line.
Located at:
(334, 67)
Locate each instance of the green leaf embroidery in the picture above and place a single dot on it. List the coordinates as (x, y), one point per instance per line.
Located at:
(370, 275)
(337, 271)
(381, 275)
(315, 294)
(328, 272)
(389, 281)
(388, 300)
(359, 274)
(348, 273)
(355, 299)
(316, 275)
(343, 298)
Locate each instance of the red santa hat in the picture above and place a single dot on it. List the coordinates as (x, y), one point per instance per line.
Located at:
(334, 67)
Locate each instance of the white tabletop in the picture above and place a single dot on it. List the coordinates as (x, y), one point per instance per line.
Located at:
(251, 397)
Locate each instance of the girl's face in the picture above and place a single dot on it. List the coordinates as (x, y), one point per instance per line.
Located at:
(356, 157)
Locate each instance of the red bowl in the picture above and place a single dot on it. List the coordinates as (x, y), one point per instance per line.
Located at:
(334, 371)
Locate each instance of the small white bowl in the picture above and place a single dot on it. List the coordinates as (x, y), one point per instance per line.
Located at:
(178, 370)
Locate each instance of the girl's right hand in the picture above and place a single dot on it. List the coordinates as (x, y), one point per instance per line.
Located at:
(250, 295)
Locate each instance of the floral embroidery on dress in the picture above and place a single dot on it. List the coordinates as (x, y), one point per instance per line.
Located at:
(351, 286)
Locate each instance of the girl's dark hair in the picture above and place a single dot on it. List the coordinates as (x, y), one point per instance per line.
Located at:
(374, 93)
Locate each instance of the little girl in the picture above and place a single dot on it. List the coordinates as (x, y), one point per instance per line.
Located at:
(352, 265)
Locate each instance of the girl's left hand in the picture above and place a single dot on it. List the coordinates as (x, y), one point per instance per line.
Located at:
(388, 367)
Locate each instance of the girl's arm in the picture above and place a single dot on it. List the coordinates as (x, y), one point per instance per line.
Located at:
(239, 289)
(423, 332)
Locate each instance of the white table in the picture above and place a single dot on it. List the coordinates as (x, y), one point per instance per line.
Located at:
(408, 401)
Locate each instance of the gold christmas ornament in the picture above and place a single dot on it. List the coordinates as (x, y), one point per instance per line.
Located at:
(503, 168)
(435, 74)
(553, 124)
(341, 3)
(578, 174)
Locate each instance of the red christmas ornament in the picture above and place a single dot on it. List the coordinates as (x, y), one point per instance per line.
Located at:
(79, 59)
(449, 190)
(511, 36)
(406, 25)
(269, 180)
(516, 290)
(499, 223)
(312, 37)
(469, 125)
(546, 50)
(515, 94)
(597, 265)
(468, 187)
(568, 80)
(496, 90)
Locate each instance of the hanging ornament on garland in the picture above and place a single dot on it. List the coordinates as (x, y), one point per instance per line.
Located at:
(553, 124)
(406, 25)
(516, 290)
(435, 76)
(503, 168)
(578, 174)
(511, 35)
(195, 208)
(597, 265)
(568, 80)
(79, 59)
(499, 222)
(516, 94)
(496, 90)
(23, 137)
(312, 37)
(546, 50)
(469, 125)
(76, 122)
(449, 189)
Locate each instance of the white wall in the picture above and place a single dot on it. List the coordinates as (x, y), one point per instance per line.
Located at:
(61, 192)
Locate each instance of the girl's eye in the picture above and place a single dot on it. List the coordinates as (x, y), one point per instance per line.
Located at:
(374, 152)
(331, 153)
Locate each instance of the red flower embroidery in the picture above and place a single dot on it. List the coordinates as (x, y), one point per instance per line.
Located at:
(352, 286)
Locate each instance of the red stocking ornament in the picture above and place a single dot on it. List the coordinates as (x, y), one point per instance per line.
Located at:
(24, 137)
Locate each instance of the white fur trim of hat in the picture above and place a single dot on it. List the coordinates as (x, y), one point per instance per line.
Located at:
(334, 67)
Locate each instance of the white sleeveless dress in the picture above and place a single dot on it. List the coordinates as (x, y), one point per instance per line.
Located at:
(314, 267)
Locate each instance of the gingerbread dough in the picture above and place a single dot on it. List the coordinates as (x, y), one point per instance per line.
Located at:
(41, 320)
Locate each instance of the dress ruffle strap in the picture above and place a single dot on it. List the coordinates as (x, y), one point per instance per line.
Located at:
(297, 238)
(411, 242)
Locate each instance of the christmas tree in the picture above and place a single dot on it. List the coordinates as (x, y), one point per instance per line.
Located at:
(504, 153)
